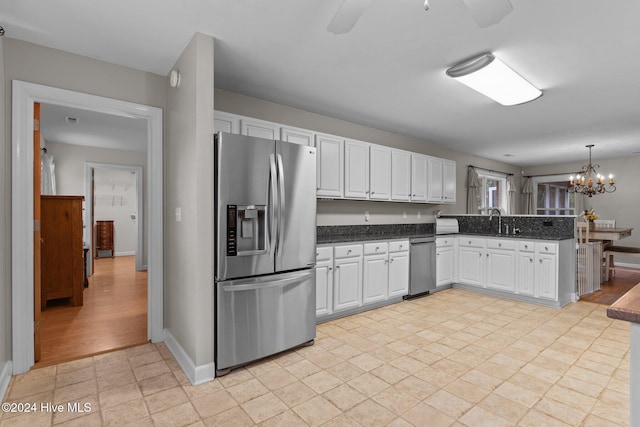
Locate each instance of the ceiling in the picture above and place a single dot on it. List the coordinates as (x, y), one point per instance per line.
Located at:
(388, 72)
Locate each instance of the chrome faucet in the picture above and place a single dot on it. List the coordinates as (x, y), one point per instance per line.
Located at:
(496, 210)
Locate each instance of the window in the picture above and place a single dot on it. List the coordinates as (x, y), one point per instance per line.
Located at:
(552, 196)
(493, 192)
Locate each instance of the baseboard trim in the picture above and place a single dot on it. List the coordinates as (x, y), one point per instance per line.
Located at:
(5, 377)
(125, 253)
(196, 374)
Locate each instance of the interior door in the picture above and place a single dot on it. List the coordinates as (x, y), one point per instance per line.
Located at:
(37, 178)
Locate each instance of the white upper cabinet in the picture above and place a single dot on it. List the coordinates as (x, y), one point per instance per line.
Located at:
(225, 122)
(379, 172)
(418, 178)
(441, 182)
(356, 180)
(434, 182)
(297, 136)
(259, 128)
(330, 170)
(449, 181)
(400, 175)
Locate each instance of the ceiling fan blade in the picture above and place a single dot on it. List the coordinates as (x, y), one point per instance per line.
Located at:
(488, 12)
(347, 16)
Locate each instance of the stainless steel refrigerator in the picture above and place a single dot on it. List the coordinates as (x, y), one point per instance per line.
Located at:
(265, 248)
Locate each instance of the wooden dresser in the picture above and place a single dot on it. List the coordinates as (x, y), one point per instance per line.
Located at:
(62, 253)
(104, 237)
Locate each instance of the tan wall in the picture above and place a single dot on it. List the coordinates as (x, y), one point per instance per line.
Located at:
(352, 212)
(188, 183)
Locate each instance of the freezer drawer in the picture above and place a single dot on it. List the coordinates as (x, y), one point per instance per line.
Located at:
(261, 316)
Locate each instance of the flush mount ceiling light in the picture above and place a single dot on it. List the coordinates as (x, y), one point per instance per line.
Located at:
(494, 79)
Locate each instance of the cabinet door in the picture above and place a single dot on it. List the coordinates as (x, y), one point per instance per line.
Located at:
(330, 170)
(400, 175)
(324, 288)
(259, 128)
(356, 172)
(448, 181)
(501, 270)
(379, 172)
(471, 264)
(297, 136)
(526, 273)
(225, 122)
(434, 182)
(546, 276)
(444, 266)
(347, 283)
(398, 274)
(376, 278)
(418, 178)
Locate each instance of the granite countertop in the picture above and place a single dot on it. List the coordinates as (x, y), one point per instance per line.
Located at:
(345, 238)
(627, 307)
(512, 236)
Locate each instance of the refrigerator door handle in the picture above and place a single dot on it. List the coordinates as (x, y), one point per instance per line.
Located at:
(266, 284)
(281, 201)
(273, 194)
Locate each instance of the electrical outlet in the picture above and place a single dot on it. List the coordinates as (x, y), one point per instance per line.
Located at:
(178, 214)
(404, 214)
(366, 215)
(419, 214)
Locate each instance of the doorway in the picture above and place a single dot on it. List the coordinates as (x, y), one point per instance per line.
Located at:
(24, 97)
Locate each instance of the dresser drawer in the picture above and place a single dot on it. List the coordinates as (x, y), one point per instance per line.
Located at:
(442, 242)
(526, 246)
(471, 242)
(546, 248)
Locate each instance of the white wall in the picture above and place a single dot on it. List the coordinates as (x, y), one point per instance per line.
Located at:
(5, 232)
(116, 200)
(188, 256)
(623, 205)
(70, 162)
(346, 212)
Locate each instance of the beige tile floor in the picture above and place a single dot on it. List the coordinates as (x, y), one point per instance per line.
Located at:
(451, 359)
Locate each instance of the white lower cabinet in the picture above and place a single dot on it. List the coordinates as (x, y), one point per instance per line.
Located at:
(347, 279)
(471, 261)
(512, 266)
(501, 265)
(546, 271)
(445, 261)
(352, 276)
(324, 281)
(398, 274)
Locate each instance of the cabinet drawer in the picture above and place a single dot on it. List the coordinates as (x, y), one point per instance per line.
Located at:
(546, 248)
(471, 242)
(347, 251)
(526, 246)
(324, 254)
(444, 241)
(399, 246)
(501, 244)
(375, 248)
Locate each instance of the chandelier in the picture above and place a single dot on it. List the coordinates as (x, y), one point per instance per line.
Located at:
(584, 181)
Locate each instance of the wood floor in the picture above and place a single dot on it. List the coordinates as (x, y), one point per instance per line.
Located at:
(113, 316)
(613, 289)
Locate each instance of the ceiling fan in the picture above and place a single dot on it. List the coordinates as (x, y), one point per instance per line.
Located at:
(485, 13)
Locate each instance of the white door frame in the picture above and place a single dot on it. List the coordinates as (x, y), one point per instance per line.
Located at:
(89, 198)
(24, 96)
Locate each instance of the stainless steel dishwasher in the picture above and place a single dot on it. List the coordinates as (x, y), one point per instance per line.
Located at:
(422, 259)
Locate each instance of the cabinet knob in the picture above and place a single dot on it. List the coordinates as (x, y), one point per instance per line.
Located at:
(373, 192)
(530, 259)
(377, 248)
(499, 245)
(348, 251)
(367, 192)
(546, 248)
(540, 261)
(526, 246)
(487, 255)
(337, 267)
(480, 255)
(330, 268)
(469, 241)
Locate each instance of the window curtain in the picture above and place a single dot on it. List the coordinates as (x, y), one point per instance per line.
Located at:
(48, 184)
(511, 195)
(527, 196)
(473, 191)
